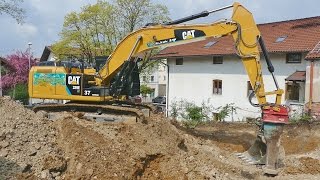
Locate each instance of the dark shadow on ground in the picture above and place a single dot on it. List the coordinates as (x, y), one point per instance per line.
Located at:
(225, 136)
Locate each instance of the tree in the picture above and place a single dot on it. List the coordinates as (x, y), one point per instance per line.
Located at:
(89, 31)
(145, 90)
(12, 8)
(98, 28)
(18, 70)
(137, 13)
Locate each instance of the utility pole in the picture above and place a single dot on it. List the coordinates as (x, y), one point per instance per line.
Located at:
(29, 50)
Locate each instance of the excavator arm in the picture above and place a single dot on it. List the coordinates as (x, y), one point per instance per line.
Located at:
(247, 39)
(241, 26)
(119, 76)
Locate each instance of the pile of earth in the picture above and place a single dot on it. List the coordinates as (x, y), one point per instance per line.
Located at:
(26, 141)
(156, 150)
(74, 148)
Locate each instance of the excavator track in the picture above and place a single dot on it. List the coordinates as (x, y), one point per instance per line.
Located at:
(136, 110)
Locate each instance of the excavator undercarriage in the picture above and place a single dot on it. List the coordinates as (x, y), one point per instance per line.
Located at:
(103, 112)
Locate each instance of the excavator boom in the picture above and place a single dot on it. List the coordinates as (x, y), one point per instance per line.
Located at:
(119, 77)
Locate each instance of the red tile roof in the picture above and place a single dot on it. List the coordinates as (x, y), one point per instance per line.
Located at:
(315, 53)
(297, 76)
(301, 36)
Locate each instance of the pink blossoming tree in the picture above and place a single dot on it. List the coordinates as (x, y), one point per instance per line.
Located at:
(18, 69)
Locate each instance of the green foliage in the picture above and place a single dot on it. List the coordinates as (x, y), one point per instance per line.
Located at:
(224, 111)
(98, 28)
(174, 110)
(148, 65)
(191, 114)
(300, 118)
(145, 90)
(19, 92)
(136, 13)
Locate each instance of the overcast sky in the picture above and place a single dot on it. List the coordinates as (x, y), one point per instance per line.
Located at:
(45, 17)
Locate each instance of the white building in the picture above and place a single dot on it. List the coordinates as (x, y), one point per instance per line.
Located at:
(210, 69)
(47, 54)
(156, 79)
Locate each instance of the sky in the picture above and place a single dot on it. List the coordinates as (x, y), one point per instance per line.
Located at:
(44, 18)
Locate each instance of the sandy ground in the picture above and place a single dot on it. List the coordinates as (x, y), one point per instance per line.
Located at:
(33, 147)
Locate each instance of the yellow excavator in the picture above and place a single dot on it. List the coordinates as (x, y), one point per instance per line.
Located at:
(119, 77)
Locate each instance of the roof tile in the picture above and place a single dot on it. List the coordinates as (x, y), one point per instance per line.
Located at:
(315, 53)
(302, 36)
(297, 76)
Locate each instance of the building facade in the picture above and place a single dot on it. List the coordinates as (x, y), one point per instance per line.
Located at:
(210, 69)
(156, 79)
(199, 79)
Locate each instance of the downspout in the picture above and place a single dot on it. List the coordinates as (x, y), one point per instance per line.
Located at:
(311, 87)
(167, 88)
(167, 94)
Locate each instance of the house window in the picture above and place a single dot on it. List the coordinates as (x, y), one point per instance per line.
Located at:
(217, 59)
(217, 86)
(179, 61)
(293, 58)
(292, 91)
(249, 88)
(144, 78)
(152, 78)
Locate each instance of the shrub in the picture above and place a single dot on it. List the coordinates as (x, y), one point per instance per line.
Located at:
(20, 92)
(145, 90)
(300, 118)
(224, 111)
(191, 114)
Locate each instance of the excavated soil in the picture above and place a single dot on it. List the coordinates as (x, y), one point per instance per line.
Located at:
(34, 147)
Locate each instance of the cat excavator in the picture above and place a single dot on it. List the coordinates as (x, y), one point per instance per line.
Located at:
(118, 79)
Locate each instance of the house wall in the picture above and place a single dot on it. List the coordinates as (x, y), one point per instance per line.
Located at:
(316, 82)
(192, 81)
(51, 57)
(158, 84)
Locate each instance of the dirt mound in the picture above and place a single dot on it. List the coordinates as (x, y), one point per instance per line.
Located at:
(301, 139)
(305, 165)
(33, 147)
(156, 150)
(25, 140)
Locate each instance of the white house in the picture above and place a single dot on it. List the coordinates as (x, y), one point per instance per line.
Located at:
(47, 54)
(156, 80)
(312, 91)
(210, 69)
